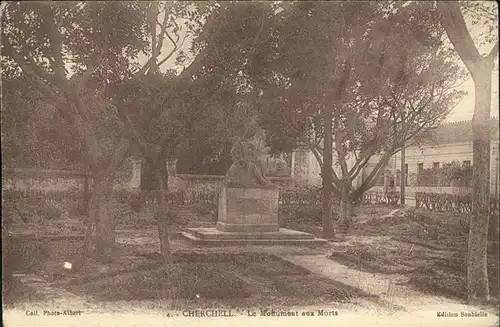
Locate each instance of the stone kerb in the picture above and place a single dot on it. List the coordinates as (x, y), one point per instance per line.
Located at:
(248, 209)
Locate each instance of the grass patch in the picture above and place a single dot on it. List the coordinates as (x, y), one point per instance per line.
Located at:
(197, 279)
(317, 287)
(370, 264)
(193, 275)
(268, 265)
(430, 271)
(182, 281)
(15, 292)
(25, 255)
(435, 283)
(447, 277)
(418, 225)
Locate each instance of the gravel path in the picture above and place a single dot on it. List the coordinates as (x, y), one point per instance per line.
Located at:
(397, 299)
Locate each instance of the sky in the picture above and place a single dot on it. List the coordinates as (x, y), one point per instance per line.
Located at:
(465, 109)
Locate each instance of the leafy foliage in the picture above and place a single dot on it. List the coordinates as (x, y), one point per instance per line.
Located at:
(379, 65)
(301, 204)
(33, 133)
(78, 55)
(454, 172)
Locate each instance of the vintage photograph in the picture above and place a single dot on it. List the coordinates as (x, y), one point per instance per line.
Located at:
(250, 163)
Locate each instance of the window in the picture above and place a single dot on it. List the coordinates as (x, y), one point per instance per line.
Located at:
(466, 163)
(420, 167)
(435, 165)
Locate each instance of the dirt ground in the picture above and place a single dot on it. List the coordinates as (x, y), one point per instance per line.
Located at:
(253, 277)
(429, 248)
(387, 264)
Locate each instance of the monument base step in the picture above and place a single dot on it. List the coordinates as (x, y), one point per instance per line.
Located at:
(214, 237)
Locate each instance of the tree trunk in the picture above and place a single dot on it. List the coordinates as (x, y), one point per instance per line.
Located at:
(477, 273)
(327, 174)
(86, 189)
(161, 212)
(100, 215)
(480, 68)
(345, 207)
(402, 180)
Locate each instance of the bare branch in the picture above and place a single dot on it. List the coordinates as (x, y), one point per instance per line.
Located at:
(37, 75)
(371, 178)
(319, 151)
(161, 37)
(171, 40)
(91, 67)
(177, 81)
(360, 164)
(56, 48)
(144, 68)
(370, 181)
(154, 49)
(167, 57)
(453, 21)
(173, 51)
(341, 157)
(493, 53)
(335, 180)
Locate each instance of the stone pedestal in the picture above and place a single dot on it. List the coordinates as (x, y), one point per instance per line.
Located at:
(249, 216)
(248, 210)
(248, 207)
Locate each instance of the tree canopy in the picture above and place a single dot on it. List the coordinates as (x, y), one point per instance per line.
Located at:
(369, 61)
(366, 78)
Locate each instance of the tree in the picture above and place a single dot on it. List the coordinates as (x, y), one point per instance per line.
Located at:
(33, 134)
(78, 55)
(211, 116)
(338, 62)
(390, 68)
(480, 67)
(219, 103)
(40, 40)
(249, 45)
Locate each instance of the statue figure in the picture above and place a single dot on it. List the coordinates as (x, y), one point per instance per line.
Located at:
(246, 170)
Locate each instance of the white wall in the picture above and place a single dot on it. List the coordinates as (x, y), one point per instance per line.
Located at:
(443, 154)
(310, 172)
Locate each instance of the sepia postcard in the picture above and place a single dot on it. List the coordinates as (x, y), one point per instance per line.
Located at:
(250, 163)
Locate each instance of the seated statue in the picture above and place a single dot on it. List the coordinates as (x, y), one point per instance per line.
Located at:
(246, 170)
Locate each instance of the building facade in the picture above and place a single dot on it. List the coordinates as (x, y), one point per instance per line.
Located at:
(449, 142)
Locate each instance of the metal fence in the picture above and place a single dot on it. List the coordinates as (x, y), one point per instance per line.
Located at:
(455, 203)
(391, 197)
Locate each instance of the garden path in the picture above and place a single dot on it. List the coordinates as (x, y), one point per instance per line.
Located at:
(396, 297)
